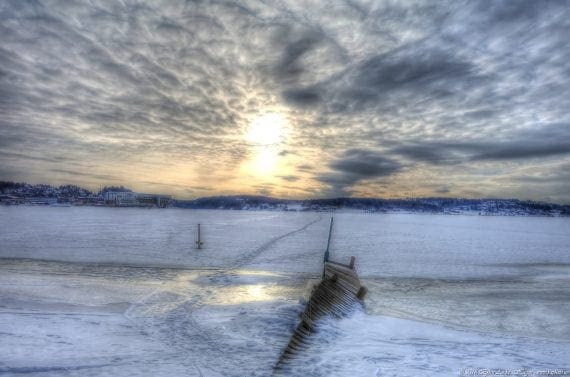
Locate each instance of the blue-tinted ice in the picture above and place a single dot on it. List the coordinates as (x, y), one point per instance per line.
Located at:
(123, 292)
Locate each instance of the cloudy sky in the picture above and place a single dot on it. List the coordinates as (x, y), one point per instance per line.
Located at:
(291, 99)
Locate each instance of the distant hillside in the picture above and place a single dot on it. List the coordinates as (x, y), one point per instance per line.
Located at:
(423, 205)
(237, 202)
(10, 191)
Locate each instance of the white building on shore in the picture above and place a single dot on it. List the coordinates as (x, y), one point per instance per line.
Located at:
(120, 198)
(133, 199)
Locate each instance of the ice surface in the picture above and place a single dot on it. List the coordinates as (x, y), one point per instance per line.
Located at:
(368, 345)
(123, 292)
(145, 237)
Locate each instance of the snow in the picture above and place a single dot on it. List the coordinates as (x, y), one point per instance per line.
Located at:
(123, 292)
(366, 345)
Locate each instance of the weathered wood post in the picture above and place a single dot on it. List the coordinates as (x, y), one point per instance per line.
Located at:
(199, 242)
(327, 253)
(352, 261)
(361, 292)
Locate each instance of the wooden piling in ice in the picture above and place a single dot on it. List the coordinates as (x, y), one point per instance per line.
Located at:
(199, 242)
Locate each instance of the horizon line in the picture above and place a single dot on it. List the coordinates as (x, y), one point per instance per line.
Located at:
(300, 199)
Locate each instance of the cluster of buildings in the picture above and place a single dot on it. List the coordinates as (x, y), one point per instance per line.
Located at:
(68, 195)
(109, 199)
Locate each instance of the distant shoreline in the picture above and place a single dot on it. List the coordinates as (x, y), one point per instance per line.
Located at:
(69, 195)
(339, 210)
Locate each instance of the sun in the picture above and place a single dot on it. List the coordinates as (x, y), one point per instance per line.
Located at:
(267, 129)
(265, 136)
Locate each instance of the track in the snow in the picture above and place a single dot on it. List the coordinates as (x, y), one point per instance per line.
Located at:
(248, 257)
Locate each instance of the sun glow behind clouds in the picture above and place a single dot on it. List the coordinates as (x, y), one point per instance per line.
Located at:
(265, 135)
(267, 129)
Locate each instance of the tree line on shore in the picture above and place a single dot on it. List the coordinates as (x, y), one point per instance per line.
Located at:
(241, 202)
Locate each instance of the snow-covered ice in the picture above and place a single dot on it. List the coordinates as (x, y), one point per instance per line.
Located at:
(124, 292)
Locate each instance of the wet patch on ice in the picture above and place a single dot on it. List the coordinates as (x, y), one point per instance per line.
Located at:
(520, 306)
(183, 322)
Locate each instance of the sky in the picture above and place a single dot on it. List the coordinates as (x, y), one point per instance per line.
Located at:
(293, 99)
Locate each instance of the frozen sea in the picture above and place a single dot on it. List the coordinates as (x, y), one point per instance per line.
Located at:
(124, 292)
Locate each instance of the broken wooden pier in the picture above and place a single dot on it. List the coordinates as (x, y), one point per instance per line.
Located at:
(338, 294)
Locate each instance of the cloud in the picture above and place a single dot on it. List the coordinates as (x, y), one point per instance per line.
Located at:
(305, 168)
(302, 96)
(295, 46)
(443, 190)
(539, 142)
(516, 151)
(548, 141)
(434, 153)
(414, 70)
(75, 173)
(356, 165)
(289, 178)
(402, 93)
